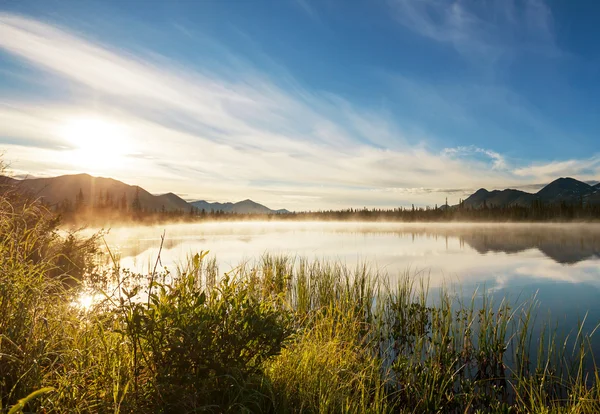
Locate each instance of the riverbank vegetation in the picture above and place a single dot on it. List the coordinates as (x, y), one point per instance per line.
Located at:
(275, 335)
(537, 213)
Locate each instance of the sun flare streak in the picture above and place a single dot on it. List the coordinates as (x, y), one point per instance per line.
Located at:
(95, 143)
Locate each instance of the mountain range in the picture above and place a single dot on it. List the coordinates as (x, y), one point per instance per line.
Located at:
(568, 190)
(241, 207)
(98, 190)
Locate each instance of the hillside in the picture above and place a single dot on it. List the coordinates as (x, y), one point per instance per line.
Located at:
(564, 189)
(108, 191)
(97, 191)
(568, 190)
(7, 181)
(241, 207)
(497, 198)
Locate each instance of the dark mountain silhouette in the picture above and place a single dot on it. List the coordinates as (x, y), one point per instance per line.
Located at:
(476, 199)
(97, 191)
(568, 190)
(564, 189)
(241, 207)
(596, 192)
(594, 198)
(496, 198)
(208, 207)
(7, 181)
(103, 191)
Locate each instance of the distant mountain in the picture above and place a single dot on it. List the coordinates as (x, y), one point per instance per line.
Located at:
(206, 206)
(94, 189)
(175, 200)
(7, 181)
(594, 198)
(496, 198)
(241, 207)
(567, 190)
(564, 189)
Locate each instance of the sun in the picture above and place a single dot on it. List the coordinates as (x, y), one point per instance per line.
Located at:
(95, 143)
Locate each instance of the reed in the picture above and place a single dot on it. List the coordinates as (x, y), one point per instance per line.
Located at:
(279, 334)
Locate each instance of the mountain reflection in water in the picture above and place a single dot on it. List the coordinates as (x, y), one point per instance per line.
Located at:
(558, 264)
(563, 243)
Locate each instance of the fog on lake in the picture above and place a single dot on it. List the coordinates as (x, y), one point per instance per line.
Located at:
(497, 255)
(558, 263)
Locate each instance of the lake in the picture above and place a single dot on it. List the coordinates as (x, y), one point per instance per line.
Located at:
(497, 255)
(560, 263)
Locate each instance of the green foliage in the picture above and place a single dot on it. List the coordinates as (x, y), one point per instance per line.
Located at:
(281, 335)
(328, 368)
(198, 347)
(20, 405)
(35, 263)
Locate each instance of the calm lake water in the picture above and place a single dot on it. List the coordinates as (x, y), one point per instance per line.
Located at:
(558, 263)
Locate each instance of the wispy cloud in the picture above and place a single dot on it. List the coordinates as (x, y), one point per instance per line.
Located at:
(481, 30)
(307, 7)
(228, 136)
(584, 168)
(498, 161)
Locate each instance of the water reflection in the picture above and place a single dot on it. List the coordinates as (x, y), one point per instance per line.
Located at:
(558, 264)
(468, 253)
(563, 244)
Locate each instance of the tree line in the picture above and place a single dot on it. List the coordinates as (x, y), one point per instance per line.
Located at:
(106, 204)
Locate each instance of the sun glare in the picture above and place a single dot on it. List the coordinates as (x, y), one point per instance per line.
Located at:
(97, 144)
(85, 301)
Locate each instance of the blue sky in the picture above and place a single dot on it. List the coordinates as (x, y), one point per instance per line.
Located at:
(303, 104)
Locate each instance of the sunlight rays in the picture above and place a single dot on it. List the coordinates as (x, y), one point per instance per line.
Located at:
(265, 137)
(97, 144)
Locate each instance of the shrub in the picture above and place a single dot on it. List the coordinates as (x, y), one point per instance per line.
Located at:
(279, 336)
(35, 262)
(198, 348)
(328, 368)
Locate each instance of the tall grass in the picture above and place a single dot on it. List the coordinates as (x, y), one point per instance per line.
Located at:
(276, 335)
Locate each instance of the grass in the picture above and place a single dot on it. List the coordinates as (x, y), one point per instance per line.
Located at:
(278, 335)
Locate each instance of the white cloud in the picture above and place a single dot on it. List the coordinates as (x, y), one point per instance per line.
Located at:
(585, 169)
(203, 134)
(497, 161)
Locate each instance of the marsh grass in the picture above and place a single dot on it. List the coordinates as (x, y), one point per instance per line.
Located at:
(280, 334)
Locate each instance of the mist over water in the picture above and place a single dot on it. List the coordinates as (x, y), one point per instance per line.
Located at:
(558, 263)
(497, 255)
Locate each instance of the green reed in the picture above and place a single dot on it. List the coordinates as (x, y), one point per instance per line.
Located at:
(277, 334)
